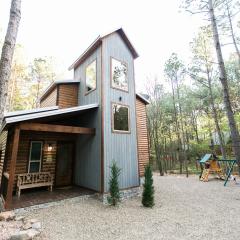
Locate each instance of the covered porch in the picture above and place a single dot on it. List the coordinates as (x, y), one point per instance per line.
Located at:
(39, 163)
(41, 196)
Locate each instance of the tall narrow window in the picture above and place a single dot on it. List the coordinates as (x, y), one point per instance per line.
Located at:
(91, 76)
(119, 74)
(120, 118)
(35, 156)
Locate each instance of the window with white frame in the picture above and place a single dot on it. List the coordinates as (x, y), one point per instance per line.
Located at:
(35, 156)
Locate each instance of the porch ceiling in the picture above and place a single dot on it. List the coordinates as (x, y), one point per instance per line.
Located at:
(53, 115)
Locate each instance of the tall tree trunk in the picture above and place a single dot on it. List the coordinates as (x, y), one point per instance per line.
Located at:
(7, 52)
(223, 78)
(177, 128)
(195, 126)
(183, 139)
(215, 117)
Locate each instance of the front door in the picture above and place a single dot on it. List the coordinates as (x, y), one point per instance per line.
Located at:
(64, 165)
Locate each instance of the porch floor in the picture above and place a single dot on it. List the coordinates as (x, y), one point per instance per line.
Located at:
(40, 196)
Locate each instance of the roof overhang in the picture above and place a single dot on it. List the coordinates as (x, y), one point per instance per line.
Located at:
(41, 115)
(142, 98)
(98, 42)
(54, 84)
(25, 112)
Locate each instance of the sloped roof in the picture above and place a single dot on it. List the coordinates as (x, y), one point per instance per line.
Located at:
(44, 114)
(97, 42)
(145, 100)
(25, 112)
(55, 83)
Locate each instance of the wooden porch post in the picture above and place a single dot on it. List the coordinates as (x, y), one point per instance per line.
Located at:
(12, 166)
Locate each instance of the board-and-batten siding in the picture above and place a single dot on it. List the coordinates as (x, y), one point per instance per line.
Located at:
(67, 95)
(3, 144)
(142, 136)
(48, 163)
(119, 147)
(50, 99)
(88, 153)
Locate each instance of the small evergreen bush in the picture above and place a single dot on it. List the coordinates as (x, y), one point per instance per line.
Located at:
(148, 189)
(114, 197)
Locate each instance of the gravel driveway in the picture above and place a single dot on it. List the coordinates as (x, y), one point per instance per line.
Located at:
(184, 209)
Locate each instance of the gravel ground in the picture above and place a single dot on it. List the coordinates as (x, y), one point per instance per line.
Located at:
(184, 209)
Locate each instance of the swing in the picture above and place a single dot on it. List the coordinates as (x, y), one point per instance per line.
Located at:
(210, 165)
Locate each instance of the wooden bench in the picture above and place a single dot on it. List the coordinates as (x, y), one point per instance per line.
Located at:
(32, 180)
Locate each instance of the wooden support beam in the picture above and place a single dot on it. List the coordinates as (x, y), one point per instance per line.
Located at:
(12, 167)
(56, 128)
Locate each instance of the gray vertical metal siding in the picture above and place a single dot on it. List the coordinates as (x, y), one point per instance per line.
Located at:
(88, 149)
(119, 147)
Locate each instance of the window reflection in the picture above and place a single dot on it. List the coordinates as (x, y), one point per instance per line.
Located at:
(119, 75)
(91, 76)
(120, 117)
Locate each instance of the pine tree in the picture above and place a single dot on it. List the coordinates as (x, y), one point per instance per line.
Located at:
(114, 197)
(148, 189)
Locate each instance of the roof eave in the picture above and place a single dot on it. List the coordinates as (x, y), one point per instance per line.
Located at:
(96, 43)
(15, 120)
(53, 85)
(142, 98)
(127, 41)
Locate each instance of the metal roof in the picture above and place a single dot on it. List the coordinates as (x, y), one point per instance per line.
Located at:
(37, 115)
(55, 83)
(24, 112)
(146, 101)
(98, 41)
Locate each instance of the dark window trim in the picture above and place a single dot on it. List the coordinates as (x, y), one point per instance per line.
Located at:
(85, 88)
(111, 75)
(112, 119)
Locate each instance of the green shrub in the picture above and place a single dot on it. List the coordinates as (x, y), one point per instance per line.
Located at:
(148, 189)
(114, 197)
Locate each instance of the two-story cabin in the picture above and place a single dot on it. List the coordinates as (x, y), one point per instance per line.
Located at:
(83, 125)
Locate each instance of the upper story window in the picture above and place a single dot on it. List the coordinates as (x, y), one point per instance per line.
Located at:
(91, 76)
(119, 74)
(120, 118)
(35, 156)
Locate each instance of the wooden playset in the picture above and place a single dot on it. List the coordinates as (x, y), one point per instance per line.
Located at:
(210, 164)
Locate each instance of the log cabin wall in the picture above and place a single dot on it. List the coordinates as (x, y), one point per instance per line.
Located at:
(64, 95)
(50, 99)
(67, 95)
(3, 144)
(142, 136)
(48, 163)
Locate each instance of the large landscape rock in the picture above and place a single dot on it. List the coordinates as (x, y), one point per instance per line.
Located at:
(25, 235)
(7, 216)
(36, 225)
(22, 235)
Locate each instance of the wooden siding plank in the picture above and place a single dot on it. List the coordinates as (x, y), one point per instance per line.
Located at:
(67, 95)
(50, 99)
(143, 147)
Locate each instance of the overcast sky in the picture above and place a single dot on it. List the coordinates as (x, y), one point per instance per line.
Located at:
(65, 28)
